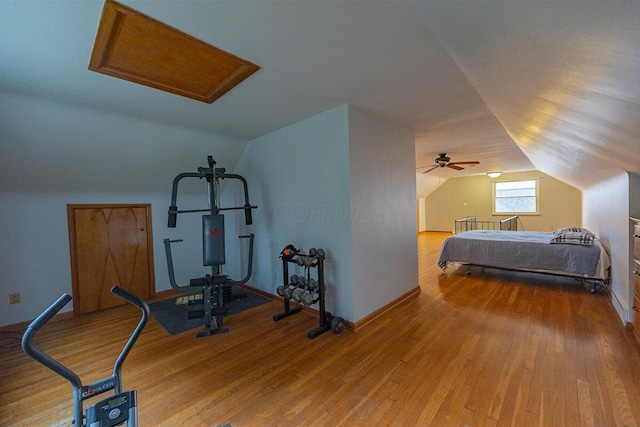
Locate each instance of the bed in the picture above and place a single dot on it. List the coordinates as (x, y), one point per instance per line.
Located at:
(573, 252)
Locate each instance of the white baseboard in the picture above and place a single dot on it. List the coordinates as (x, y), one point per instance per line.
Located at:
(620, 307)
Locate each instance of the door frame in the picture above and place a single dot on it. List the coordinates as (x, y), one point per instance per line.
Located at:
(71, 220)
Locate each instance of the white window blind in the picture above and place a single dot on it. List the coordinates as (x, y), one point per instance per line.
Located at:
(515, 197)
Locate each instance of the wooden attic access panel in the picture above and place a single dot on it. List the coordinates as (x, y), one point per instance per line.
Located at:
(140, 49)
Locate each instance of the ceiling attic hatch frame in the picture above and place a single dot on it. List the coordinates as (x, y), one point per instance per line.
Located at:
(134, 47)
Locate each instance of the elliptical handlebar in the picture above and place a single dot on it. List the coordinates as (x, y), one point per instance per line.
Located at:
(37, 354)
(132, 299)
(53, 309)
(50, 312)
(80, 391)
(144, 308)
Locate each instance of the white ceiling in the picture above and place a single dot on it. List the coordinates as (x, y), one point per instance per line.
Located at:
(516, 85)
(562, 78)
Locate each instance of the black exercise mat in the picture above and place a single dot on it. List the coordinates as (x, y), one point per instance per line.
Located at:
(174, 318)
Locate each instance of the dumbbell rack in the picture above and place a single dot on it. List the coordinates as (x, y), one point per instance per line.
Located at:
(326, 320)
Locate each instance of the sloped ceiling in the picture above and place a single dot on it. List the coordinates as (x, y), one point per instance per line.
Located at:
(516, 85)
(562, 78)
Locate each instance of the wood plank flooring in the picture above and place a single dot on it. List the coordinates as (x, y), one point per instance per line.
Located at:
(488, 349)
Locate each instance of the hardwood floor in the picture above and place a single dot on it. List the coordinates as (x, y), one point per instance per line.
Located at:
(493, 348)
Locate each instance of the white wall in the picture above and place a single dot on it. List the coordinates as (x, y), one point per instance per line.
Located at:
(54, 155)
(343, 181)
(559, 204)
(427, 184)
(50, 147)
(634, 211)
(298, 177)
(383, 206)
(303, 178)
(606, 213)
(422, 222)
(634, 195)
(35, 255)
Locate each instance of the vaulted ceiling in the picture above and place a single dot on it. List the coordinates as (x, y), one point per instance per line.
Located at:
(553, 86)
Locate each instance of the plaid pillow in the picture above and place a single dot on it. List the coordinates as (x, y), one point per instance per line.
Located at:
(574, 230)
(573, 238)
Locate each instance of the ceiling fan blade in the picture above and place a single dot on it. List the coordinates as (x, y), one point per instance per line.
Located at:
(475, 162)
(432, 168)
(452, 166)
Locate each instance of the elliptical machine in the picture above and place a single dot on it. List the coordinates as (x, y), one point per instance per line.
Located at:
(112, 411)
(216, 288)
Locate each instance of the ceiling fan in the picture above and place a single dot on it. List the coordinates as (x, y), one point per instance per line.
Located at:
(444, 161)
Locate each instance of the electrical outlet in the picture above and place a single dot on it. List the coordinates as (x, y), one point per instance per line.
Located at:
(14, 298)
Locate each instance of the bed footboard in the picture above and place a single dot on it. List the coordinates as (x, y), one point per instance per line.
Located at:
(472, 223)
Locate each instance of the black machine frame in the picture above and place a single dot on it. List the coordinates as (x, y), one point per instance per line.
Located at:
(215, 287)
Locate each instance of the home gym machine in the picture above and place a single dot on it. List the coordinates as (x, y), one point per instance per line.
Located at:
(215, 288)
(305, 290)
(112, 411)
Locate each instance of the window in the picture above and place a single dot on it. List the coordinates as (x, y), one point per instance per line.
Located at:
(515, 197)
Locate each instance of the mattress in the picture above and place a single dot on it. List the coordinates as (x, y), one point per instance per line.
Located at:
(525, 250)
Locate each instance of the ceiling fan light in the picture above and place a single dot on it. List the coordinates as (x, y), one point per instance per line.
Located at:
(494, 174)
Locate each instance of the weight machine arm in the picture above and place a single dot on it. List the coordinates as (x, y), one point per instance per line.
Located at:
(248, 276)
(210, 174)
(188, 288)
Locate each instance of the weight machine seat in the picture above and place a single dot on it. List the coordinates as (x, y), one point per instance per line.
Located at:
(214, 280)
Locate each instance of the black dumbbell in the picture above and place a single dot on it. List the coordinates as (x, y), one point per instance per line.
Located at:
(288, 291)
(297, 293)
(316, 253)
(293, 283)
(310, 297)
(310, 262)
(338, 325)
